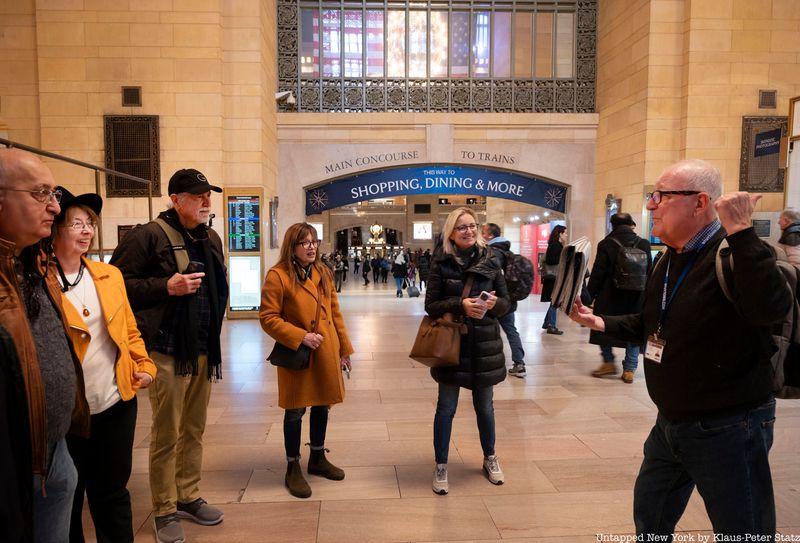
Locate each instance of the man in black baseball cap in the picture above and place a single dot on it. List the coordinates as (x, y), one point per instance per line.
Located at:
(190, 180)
(175, 276)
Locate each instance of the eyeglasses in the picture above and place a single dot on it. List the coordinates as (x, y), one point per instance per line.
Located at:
(80, 225)
(308, 244)
(657, 194)
(44, 196)
(464, 227)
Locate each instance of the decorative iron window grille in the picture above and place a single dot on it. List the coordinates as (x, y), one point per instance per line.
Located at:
(132, 147)
(483, 55)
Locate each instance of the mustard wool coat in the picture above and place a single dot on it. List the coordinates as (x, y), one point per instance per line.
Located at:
(287, 311)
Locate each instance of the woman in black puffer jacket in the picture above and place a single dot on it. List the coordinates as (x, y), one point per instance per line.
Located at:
(465, 255)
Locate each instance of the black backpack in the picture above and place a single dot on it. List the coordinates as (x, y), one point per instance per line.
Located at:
(518, 272)
(630, 268)
(785, 334)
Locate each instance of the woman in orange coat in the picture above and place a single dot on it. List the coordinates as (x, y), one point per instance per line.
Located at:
(288, 307)
(115, 365)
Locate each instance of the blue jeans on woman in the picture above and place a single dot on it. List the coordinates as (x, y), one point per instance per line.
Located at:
(631, 361)
(550, 317)
(398, 281)
(446, 410)
(726, 457)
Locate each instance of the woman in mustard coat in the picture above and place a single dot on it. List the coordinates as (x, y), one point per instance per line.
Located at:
(288, 307)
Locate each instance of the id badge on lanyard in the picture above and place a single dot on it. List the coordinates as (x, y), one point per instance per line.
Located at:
(654, 351)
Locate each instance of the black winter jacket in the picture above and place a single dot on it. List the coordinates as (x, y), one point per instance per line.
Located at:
(609, 300)
(145, 258)
(716, 359)
(503, 249)
(551, 257)
(482, 363)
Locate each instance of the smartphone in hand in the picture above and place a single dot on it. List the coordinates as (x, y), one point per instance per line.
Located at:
(484, 296)
(195, 267)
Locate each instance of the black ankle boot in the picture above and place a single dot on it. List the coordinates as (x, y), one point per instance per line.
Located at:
(319, 465)
(295, 481)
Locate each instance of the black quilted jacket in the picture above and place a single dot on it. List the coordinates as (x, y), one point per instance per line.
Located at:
(482, 363)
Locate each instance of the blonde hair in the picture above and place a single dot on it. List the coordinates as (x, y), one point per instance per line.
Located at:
(448, 246)
(295, 234)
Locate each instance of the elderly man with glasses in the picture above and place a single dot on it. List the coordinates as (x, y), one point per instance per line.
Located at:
(175, 276)
(707, 360)
(33, 315)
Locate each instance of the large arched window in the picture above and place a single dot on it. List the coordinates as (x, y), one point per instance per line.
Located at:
(457, 55)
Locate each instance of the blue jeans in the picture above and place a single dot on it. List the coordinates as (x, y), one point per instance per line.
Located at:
(550, 317)
(293, 425)
(507, 323)
(725, 457)
(398, 281)
(446, 410)
(51, 514)
(631, 361)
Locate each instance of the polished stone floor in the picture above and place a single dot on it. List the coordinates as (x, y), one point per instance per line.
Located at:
(570, 445)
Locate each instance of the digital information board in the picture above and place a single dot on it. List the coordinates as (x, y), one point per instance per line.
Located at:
(244, 224)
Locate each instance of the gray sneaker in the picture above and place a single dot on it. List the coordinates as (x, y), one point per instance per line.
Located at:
(518, 370)
(440, 485)
(491, 466)
(200, 512)
(168, 529)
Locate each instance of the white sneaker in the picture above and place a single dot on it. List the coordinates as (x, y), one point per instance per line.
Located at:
(492, 468)
(440, 479)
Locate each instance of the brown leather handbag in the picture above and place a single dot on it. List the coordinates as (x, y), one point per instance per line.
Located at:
(438, 342)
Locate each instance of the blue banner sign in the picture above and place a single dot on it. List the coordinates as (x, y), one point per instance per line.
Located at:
(768, 143)
(436, 179)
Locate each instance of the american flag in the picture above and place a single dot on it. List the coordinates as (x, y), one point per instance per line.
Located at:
(459, 46)
(351, 34)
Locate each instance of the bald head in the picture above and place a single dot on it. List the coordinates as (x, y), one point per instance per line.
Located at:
(24, 219)
(698, 175)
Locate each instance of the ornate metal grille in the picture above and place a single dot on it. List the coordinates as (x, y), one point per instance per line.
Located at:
(321, 93)
(132, 147)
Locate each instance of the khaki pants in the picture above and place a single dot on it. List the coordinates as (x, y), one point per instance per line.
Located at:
(176, 441)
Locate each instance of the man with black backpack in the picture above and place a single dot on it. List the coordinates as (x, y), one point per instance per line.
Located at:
(492, 234)
(617, 288)
(707, 359)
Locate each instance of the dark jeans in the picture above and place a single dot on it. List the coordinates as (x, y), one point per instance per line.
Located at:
(550, 317)
(446, 410)
(293, 426)
(104, 466)
(725, 457)
(51, 511)
(508, 326)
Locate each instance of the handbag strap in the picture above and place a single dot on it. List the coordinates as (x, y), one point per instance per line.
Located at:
(316, 318)
(467, 286)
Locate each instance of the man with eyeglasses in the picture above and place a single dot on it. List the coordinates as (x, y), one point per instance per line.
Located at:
(175, 276)
(32, 314)
(707, 360)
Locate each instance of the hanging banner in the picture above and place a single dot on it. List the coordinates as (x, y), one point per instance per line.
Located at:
(436, 179)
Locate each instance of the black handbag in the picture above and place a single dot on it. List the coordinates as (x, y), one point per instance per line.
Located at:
(284, 357)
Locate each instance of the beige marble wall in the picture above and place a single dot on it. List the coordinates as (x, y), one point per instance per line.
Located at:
(19, 84)
(675, 78)
(206, 68)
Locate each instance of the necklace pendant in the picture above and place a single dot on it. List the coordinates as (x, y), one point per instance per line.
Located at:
(86, 312)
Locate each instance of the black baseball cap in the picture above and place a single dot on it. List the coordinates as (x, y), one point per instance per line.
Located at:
(91, 200)
(191, 181)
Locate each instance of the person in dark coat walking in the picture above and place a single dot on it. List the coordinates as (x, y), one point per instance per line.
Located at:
(465, 258)
(424, 267)
(556, 243)
(365, 271)
(609, 300)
